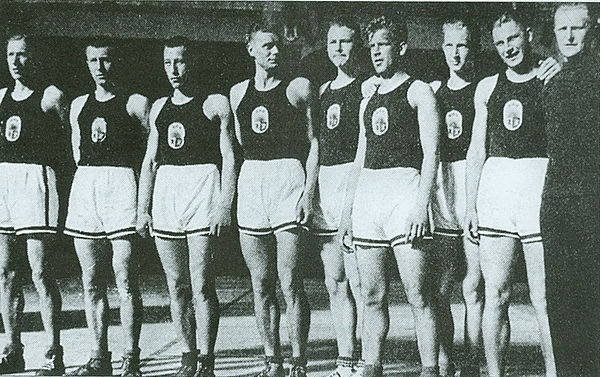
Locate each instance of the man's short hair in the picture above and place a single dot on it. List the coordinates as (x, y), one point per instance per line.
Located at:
(511, 15)
(396, 26)
(21, 36)
(587, 6)
(265, 26)
(179, 41)
(459, 22)
(347, 21)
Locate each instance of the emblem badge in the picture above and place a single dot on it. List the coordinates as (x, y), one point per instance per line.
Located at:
(13, 128)
(454, 124)
(260, 120)
(513, 115)
(98, 130)
(333, 116)
(176, 135)
(379, 121)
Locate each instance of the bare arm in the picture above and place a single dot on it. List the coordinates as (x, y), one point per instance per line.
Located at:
(235, 97)
(148, 171)
(302, 96)
(76, 107)
(138, 106)
(422, 98)
(476, 155)
(217, 106)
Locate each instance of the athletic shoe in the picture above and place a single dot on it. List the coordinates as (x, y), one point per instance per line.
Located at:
(342, 372)
(273, 368)
(54, 365)
(372, 370)
(206, 366)
(96, 366)
(130, 364)
(11, 359)
(189, 365)
(358, 369)
(297, 371)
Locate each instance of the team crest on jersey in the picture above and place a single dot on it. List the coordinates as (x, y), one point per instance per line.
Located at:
(513, 115)
(13, 128)
(260, 120)
(98, 130)
(454, 124)
(176, 135)
(333, 116)
(379, 121)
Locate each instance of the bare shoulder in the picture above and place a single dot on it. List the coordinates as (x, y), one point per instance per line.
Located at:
(158, 105)
(53, 94)
(435, 85)
(323, 87)
(79, 101)
(300, 86)
(485, 87)
(137, 100)
(216, 105)
(369, 86)
(420, 92)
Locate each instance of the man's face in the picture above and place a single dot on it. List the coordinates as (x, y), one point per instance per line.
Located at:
(264, 48)
(571, 24)
(176, 65)
(384, 51)
(100, 62)
(456, 47)
(18, 58)
(511, 42)
(340, 42)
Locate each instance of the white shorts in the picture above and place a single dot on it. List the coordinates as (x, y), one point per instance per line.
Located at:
(383, 201)
(449, 201)
(268, 194)
(103, 203)
(332, 184)
(510, 196)
(183, 200)
(28, 199)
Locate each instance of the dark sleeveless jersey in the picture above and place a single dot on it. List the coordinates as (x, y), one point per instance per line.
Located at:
(572, 108)
(271, 127)
(186, 136)
(392, 131)
(339, 128)
(28, 134)
(457, 111)
(515, 124)
(109, 135)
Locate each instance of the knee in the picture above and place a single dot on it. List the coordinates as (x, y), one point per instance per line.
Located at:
(336, 284)
(374, 298)
(471, 291)
(7, 275)
(497, 296)
(538, 301)
(290, 287)
(179, 288)
(416, 298)
(205, 291)
(40, 278)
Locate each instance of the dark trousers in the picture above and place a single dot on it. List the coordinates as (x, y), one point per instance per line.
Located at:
(571, 234)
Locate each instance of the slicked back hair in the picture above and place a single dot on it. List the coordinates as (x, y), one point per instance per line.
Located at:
(351, 23)
(396, 26)
(465, 23)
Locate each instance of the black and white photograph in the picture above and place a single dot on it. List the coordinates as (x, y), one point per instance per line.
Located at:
(197, 188)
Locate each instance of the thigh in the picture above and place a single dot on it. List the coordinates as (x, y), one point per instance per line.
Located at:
(260, 255)
(472, 259)
(201, 252)
(38, 249)
(413, 266)
(123, 258)
(333, 258)
(288, 255)
(371, 263)
(11, 257)
(94, 258)
(498, 257)
(174, 258)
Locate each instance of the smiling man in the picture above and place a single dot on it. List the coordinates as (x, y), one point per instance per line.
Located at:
(506, 165)
(571, 200)
(108, 132)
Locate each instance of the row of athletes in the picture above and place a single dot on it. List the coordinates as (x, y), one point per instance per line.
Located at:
(360, 163)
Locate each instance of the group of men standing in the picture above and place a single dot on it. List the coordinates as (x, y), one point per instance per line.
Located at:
(440, 174)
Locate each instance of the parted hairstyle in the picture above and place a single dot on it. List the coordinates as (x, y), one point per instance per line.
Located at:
(351, 23)
(461, 22)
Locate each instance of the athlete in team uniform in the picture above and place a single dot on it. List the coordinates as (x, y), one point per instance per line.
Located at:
(338, 139)
(386, 206)
(570, 219)
(274, 125)
(190, 142)
(455, 102)
(108, 135)
(31, 131)
(506, 164)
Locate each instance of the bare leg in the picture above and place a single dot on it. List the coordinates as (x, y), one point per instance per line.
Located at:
(472, 286)
(126, 275)
(413, 265)
(174, 259)
(12, 301)
(342, 305)
(259, 253)
(204, 292)
(536, 278)
(94, 259)
(497, 263)
(38, 250)
(374, 291)
(292, 287)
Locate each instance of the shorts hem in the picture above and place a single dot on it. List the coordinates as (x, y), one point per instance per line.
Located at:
(323, 232)
(288, 226)
(493, 232)
(255, 231)
(531, 238)
(7, 230)
(36, 230)
(454, 233)
(369, 242)
(100, 235)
